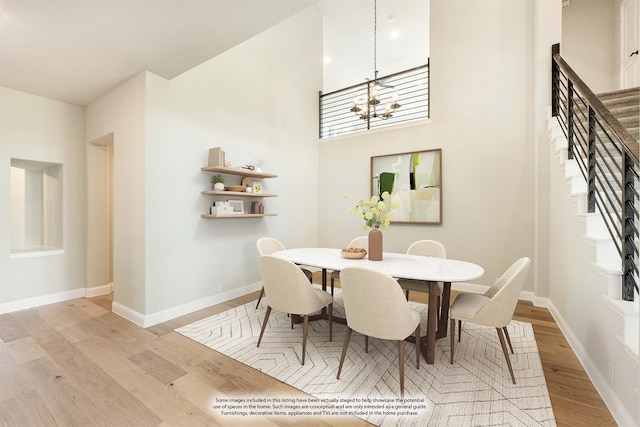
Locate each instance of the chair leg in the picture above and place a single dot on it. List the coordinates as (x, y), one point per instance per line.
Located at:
(366, 343)
(264, 324)
(401, 366)
(459, 330)
(506, 335)
(439, 306)
(506, 354)
(332, 283)
(406, 294)
(331, 322)
(347, 336)
(452, 334)
(304, 336)
(418, 346)
(260, 297)
(309, 274)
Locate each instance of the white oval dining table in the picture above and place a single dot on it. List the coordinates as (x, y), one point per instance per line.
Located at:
(426, 269)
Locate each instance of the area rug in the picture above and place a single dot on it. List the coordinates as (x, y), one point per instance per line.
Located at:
(475, 391)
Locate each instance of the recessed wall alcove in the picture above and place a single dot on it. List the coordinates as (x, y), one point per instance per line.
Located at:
(36, 208)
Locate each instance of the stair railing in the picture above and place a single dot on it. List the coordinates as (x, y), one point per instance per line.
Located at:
(608, 159)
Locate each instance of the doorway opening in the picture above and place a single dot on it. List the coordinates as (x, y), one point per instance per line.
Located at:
(100, 216)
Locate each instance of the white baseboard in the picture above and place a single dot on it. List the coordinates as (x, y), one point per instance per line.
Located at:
(125, 312)
(128, 314)
(24, 304)
(617, 409)
(541, 302)
(148, 320)
(98, 290)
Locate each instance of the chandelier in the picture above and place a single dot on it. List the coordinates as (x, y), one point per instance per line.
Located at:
(366, 107)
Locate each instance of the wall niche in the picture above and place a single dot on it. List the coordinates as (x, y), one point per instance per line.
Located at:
(36, 208)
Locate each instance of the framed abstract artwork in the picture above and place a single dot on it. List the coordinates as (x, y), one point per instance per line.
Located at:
(414, 180)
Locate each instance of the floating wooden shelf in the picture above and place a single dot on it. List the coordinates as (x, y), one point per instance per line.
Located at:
(237, 193)
(239, 171)
(238, 215)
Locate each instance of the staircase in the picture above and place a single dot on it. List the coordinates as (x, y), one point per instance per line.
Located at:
(625, 106)
(596, 234)
(618, 324)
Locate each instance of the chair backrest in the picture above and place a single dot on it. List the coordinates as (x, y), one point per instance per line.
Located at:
(359, 242)
(429, 248)
(504, 295)
(502, 280)
(286, 286)
(375, 305)
(268, 245)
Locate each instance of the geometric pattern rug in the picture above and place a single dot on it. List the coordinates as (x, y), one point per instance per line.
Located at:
(475, 391)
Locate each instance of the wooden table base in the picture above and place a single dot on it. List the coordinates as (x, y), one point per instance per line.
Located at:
(428, 341)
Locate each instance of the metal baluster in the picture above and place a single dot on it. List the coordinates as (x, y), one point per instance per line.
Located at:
(591, 184)
(628, 234)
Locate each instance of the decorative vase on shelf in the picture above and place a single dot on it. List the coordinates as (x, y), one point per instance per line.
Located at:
(375, 245)
(218, 186)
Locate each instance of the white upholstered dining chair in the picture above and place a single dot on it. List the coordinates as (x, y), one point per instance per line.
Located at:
(358, 242)
(288, 291)
(494, 308)
(375, 307)
(267, 246)
(430, 248)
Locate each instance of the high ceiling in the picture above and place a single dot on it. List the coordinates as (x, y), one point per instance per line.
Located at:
(77, 50)
(402, 39)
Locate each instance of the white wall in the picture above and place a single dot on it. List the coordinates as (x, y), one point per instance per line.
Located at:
(33, 213)
(589, 36)
(578, 291)
(547, 30)
(17, 205)
(482, 105)
(258, 102)
(52, 209)
(121, 112)
(402, 39)
(41, 129)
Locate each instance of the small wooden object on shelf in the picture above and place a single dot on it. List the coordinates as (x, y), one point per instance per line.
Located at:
(216, 157)
(240, 191)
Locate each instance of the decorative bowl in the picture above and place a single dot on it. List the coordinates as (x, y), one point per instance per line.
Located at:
(353, 253)
(238, 188)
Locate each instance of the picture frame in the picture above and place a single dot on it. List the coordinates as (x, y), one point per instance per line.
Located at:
(237, 205)
(414, 180)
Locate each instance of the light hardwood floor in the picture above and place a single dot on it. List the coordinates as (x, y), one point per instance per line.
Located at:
(77, 364)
